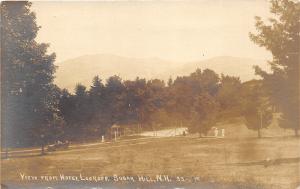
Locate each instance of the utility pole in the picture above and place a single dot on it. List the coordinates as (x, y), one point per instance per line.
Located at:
(175, 128)
(261, 119)
(6, 145)
(260, 127)
(43, 144)
(6, 140)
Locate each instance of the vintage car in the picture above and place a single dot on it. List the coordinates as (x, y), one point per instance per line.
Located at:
(58, 145)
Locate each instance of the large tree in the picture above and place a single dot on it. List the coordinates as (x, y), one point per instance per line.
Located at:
(204, 113)
(27, 74)
(114, 103)
(256, 108)
(229, 96)
(281, 36)
(98, 121)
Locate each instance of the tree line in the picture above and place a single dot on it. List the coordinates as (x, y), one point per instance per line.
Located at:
(35, 109)
(196, 101)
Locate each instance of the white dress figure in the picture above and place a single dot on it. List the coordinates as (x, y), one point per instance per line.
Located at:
(216, 132)
(223, 132)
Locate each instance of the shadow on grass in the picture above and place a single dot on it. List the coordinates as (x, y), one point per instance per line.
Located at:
(25, 155)
(3, 186)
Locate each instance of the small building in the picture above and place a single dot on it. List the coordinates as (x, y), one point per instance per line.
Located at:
(115, 131)
(215, 132)
(118, 130)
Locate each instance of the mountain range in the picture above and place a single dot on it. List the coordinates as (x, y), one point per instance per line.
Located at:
(82, 69)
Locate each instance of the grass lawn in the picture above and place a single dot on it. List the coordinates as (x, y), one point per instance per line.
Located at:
(229, 160)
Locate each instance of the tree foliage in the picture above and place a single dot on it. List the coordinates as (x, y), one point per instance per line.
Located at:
(28, 97)
(281, 36)
(229, 96)
(256, 108)
(204, 113)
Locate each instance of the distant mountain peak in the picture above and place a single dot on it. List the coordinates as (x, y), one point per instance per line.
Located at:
(83, 68)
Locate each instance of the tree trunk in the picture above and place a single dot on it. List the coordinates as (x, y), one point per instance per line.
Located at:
(296, 133)
(258, 133)
(200, 134)
(6, 153)
(43, 150)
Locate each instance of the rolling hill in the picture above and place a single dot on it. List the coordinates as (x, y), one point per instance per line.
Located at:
(82, 69)
(233, 66)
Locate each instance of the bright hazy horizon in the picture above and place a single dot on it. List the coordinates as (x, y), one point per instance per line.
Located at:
(179, 31)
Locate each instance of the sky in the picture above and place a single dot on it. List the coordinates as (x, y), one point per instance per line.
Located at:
(179, 31)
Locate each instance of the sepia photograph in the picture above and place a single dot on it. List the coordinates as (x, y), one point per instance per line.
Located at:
(150, 94)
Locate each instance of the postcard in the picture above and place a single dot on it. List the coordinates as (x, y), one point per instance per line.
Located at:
(150, 94)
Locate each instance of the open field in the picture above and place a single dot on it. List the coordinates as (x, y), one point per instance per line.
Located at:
(229, 160)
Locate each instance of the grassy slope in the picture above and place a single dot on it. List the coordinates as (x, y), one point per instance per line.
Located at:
(222, 160)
